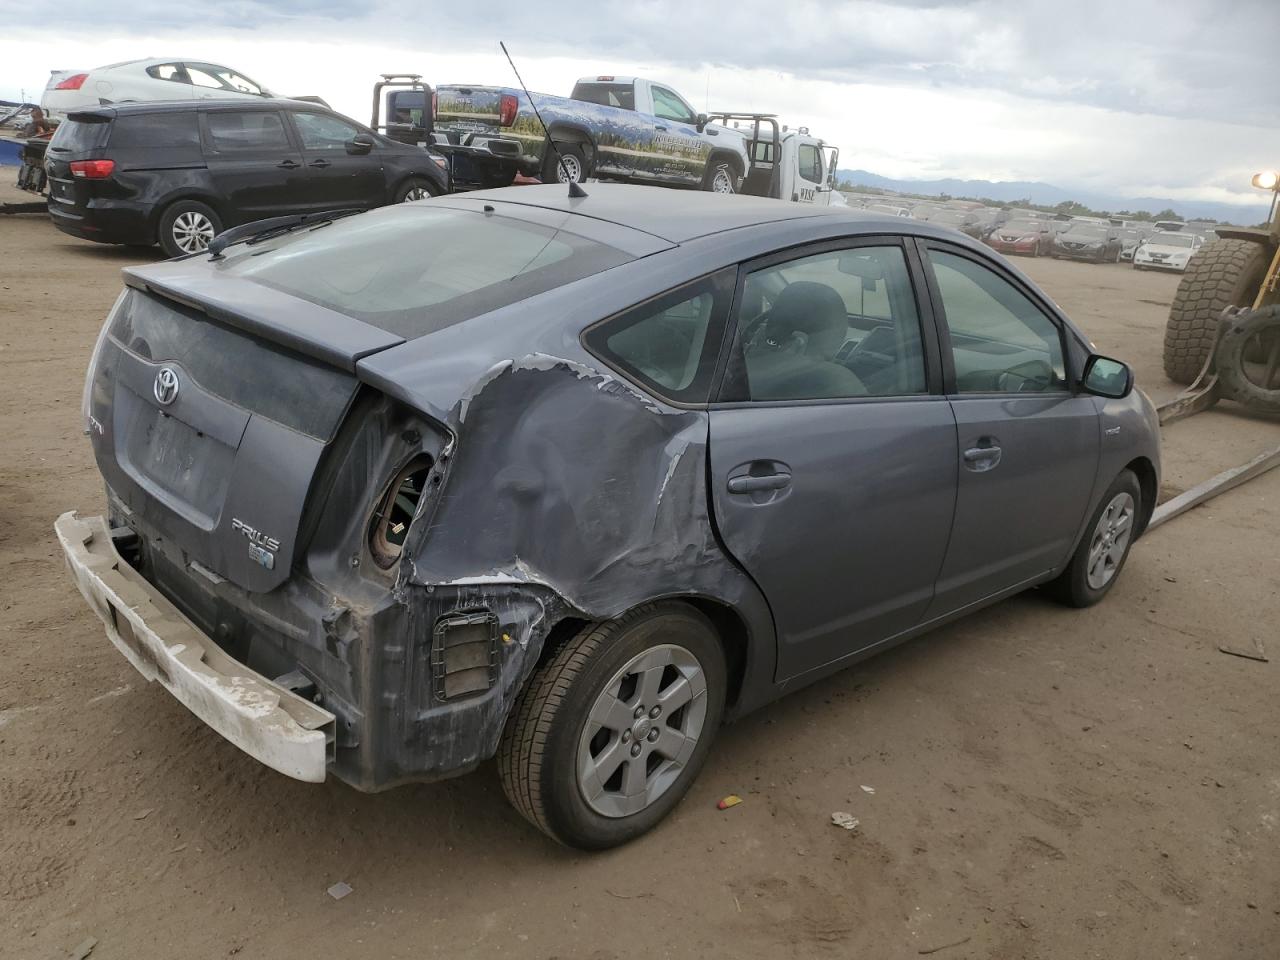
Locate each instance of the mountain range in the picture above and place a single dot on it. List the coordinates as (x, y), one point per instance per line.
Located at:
(1049, 195)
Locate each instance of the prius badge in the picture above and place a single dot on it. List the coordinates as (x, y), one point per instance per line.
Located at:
(166, 386)
(262, 548)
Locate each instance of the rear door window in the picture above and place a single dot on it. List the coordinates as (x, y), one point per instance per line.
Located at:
(169, 71)
(246, 130)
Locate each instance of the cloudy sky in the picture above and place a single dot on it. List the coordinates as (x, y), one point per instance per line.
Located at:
(1126, 97)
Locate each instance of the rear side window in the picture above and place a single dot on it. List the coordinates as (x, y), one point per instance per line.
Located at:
(670, 343)
(156, 130)
(169, 71)
(414, 269)
(79, 136)
(231, 130)
(606, 94)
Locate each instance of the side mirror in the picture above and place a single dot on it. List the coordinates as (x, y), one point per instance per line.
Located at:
(701, 122)
(1104, 377)
(359, 145)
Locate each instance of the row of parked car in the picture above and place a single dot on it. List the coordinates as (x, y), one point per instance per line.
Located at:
(1161, 245)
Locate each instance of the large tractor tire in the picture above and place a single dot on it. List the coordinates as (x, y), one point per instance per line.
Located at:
(1248, 360)
(1222, 274)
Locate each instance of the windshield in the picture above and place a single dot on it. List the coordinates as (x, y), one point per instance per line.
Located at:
(950, 216)
(1022, 226)
(1086, 231)
(1172, 240)
(413, 269)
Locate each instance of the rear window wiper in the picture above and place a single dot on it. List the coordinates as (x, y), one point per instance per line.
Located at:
(261, 230)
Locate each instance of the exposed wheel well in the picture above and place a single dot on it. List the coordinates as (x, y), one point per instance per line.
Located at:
(562, 134)
(1146, 474)
(729, 627)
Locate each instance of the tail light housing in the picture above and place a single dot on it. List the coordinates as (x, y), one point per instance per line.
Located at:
(507, 110)
(92, 169)
(73, 82)
(396, 511)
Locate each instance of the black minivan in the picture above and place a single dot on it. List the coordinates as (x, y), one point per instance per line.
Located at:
(178, 172)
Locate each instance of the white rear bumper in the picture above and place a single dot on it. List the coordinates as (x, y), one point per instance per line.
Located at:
(262, 718)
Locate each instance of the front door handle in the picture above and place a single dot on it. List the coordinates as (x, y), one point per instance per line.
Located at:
(984, 457)
(749, 484)
(288, 164)
(658, 126)
(320, 164)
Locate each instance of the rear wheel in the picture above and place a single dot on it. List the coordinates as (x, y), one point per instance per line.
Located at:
(608, 735)
(1098, 560)
(1222, 274)
(569, 167)
(187, 227)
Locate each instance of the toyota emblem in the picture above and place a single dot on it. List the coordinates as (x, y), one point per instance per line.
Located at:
(166, 386)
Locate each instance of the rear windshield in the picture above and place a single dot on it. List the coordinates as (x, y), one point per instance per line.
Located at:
(415, 268)
(606, 94)
(79, 136)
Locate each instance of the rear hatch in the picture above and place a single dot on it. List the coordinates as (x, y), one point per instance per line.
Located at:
(209, 414)
(82, 136)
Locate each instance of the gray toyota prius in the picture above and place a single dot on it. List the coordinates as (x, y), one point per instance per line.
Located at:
(570, 481)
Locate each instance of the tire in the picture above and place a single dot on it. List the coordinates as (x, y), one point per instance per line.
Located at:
(721, 177)
(1077, 585)
(575, 160)
(187, 227)
(553, 737)
(1222, 274)
(1243, 362)
(415, 188)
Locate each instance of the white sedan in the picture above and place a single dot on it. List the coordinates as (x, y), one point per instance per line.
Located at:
(1166, 251)
(145, 80)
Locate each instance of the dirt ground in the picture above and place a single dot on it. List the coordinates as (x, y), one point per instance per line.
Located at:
(1047, 783)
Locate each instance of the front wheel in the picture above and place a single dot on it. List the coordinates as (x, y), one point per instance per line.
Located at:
(609, 734)
(187, 227)
(415, 188)
(721, 177)
(1098, 560)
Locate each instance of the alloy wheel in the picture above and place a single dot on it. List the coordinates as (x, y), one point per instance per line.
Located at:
(1110, 540)
(192, 231)
(642, 731)
(416, 193)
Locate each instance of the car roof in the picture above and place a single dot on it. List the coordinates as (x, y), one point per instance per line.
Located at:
(109, 111)
(676, 215)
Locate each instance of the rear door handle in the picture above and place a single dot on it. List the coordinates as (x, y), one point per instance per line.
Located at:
(749, 484)
(288, 164)
(320, 164)
(980, 459)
